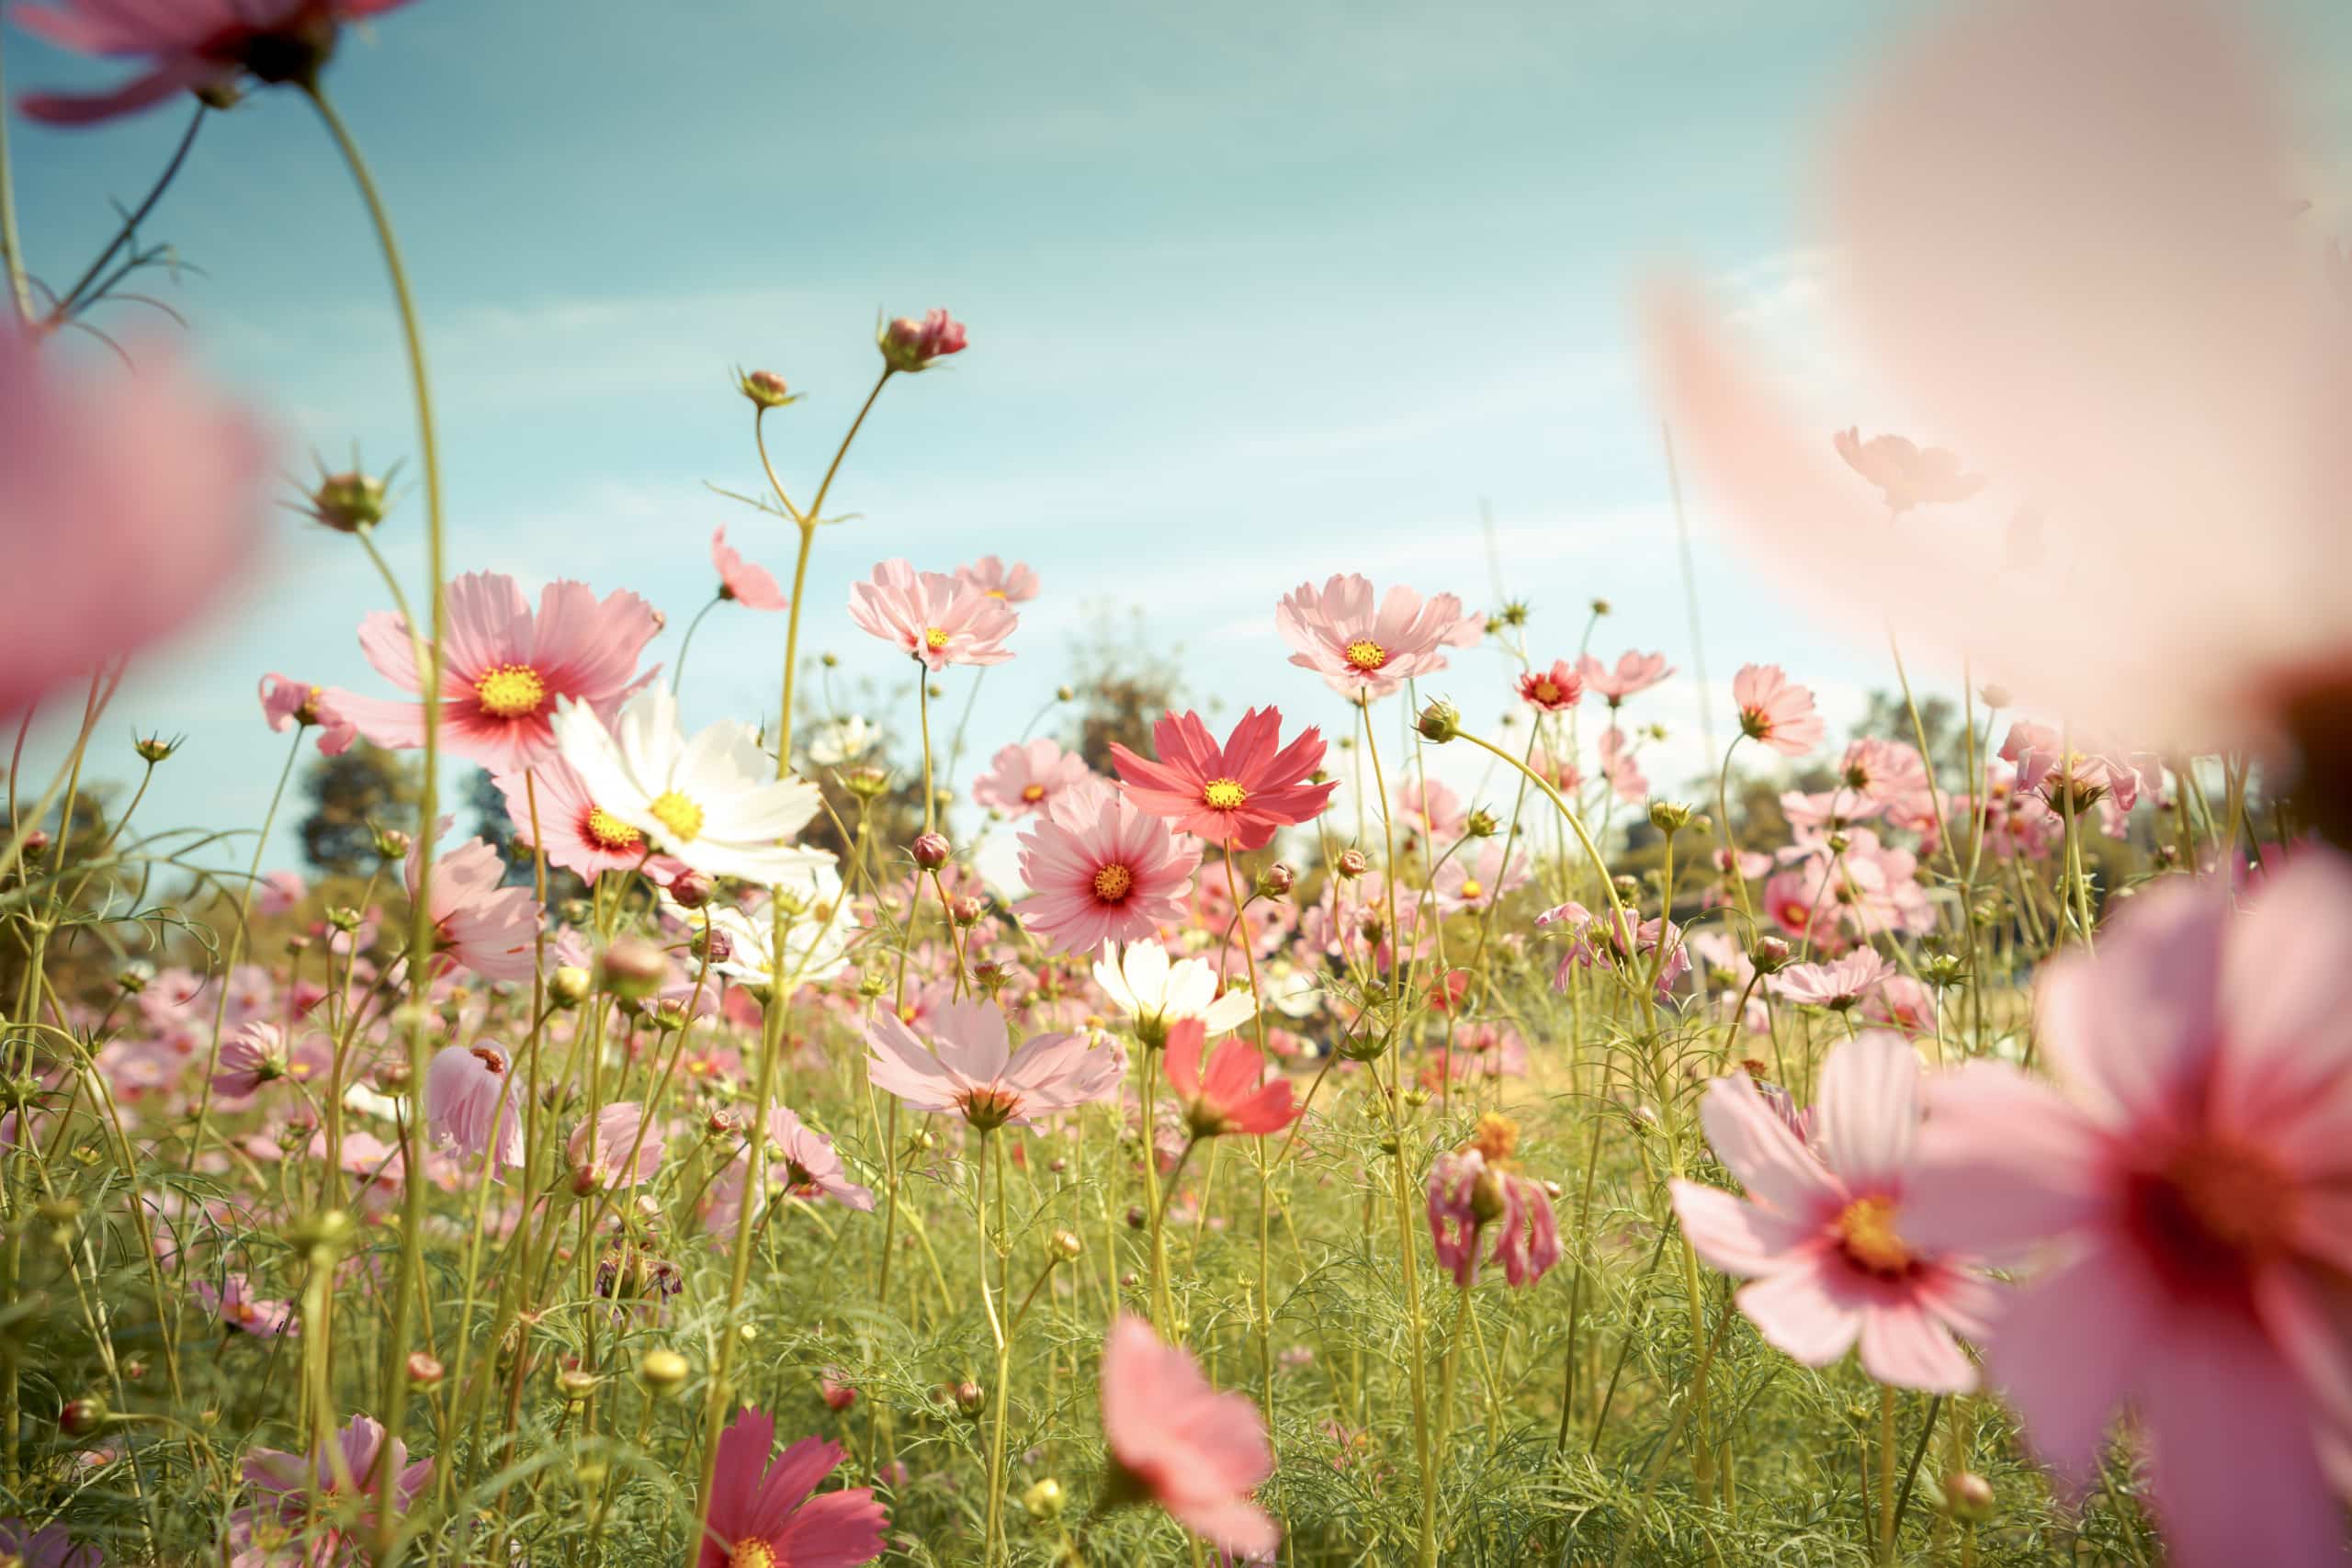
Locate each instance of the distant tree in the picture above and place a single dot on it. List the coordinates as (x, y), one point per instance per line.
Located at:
(351, 797)
(1123, 684)
(1889, 718)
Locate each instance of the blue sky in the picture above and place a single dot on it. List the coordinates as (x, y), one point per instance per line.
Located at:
(1256, 294)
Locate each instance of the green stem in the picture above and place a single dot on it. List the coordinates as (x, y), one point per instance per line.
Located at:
(67, 300)
(19, 287)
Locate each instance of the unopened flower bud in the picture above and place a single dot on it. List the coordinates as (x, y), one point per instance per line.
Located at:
(764, 388)
(632, 968)
(865, 781)
(82, 1417)
(424, 1371)
(154, 747)
(1994, 695)
(664, 1372)
(1770, 955)
(691, 890)
(570, 985)
(911, 345)
(391, 843)
(347, 502)
(1044, 1499)
(1276, 880)
(1137, 1218)
(36, 844)
(1066, 1246)
(714, 944)
(576, 1385)
(1482, 824)
(1064, 694)
(1667, 816)
(969, 1397)
(1969, 1495)
(1439, 722)
(966, 911)
(1352, 864)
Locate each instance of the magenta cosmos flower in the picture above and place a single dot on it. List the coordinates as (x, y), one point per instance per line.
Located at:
(909, 346)
(1235, 794)
(1364, 649)
(470, 1100)
(345, 1477)
(125, 507)
(1028, 777)
(1553, 690)
(549, 803)
(240, 1310)
(749, 585)
(1015, 584)
(504, 669)
(288, 703)
(765, 1510)
(1178, 1442)
(932, 616)
(1824, 1235)
(187, 45)
(1474, 1196)
(1776, 710)
(968, 1068)
(2185, 1184)
(479, 923)
(1100, 868)
(1232, 1092)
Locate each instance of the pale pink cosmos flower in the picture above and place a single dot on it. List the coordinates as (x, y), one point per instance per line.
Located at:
(1477, 880)
(748, 584)
(343, 1474)
(909, 346)
(1633, 673)
(1100, 869)
(1554, 690)
(472, 1101)
(601, 1148)
(765, 1510)
(506, 668)
(254, 1056)
(968, 1067)
(580, 835)
(279, 893)
(1235, 794)
(1599, 941)
(1432, 809)
(2071, 258)
(478, 922)
(126, 506)
(286, 704)
(238, 1308)
(1028, 776)
(1621, 766)
(1362, 649)
(1015, 584)
(800, 1162)
(1776, 710)
(2074, 778)
(1907, 474)
(1836, 985)
(1174, 1441)
(2184, 1186)
(932, 616)
(1230, 1093)
(189, 46)
(1824, 1235)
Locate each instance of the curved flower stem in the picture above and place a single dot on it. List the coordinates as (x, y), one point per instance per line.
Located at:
(1575, 822)
(1257, 1148)
(67, 300)
(19, 287)
(428, 808)
(687, 643)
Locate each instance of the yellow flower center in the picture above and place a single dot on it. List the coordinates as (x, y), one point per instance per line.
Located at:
(1112, 883)
(607, 831)
(1366, 654)
(752, 1554)
(682, 817)
(1223, 795)
(1497, 1138)
(1470, 889)
(1034, 794)
(1866, 1229)
(1546, 693)
(989, 1109)
(510, 690)
(996, 593)
(934, 636)
(907, 1014)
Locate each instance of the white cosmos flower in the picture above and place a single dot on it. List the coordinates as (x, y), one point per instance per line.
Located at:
(818, 926)
(713, 802)
(842, 740)
(1291, 990)
(1156, 992)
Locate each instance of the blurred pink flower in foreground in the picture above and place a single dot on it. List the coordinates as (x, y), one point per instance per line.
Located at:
(1015, 584)
(749, 585)
(1028, 776)
(127, 503)
(1176, 1441)
(765, 1508)
(1776, 710)
(2186, 1186)
(1825, 1232)
(968, 1067)
(933, 617)
(1100, 869)
(1239, 792)
(187, 45)
(2064, 239)
(1363, 650)
(504, 669)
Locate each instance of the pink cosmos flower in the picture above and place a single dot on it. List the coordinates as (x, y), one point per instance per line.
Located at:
(1176, 1441)
(1553, 690)
(581, 836)
(1028, 777)
(909, 346)
(1776, 710)
(234, 1303)
(254, 1056)
(345, 1477)
(1902, 1003)
(933, 617)
(1906, 474)
(1633, 673)
(2076, 779)
(504, 669)
(1015, 584)
(1432, 809)
(125, 507)
(600, 1148)
(477, 923)
(190, 45)
(800, 1162)
(1363, 651)
(2185, 1185)
(746, 584)
(1102, 870)
(1881, 771)
(1237, 793)
(1599, 941)
(1479, 882)
(1233, 1094)
(286, 704)
(1621, 767)
(765, 1510)
(2071, 258)
(1474, 1199)
(51, 1546)
(279, 893)
(968, 1067)
(1824, 1233)
(472, 1101)
(1837, 984)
